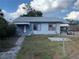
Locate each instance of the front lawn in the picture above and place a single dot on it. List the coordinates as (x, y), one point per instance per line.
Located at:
(39, 47)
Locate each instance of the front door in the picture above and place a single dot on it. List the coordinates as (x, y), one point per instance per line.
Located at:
(26, 29)
(23, 29)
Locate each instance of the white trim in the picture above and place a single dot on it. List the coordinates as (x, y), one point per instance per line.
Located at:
(21, 23)
(64, 24)
(24, 29)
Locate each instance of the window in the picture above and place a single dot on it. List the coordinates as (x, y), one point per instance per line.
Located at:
(36, 27)
(51, 27)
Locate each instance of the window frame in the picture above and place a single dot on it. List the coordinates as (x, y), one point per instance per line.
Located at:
(51, 27)
(38, 26)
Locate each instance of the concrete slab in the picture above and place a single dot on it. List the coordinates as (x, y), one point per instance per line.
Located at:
(58, 39)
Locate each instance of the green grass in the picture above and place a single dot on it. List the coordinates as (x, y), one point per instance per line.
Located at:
(39, 47)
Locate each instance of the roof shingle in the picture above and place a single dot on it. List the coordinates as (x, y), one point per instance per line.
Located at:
(38, 19)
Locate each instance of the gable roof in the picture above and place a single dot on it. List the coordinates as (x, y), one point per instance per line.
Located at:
(39, 19)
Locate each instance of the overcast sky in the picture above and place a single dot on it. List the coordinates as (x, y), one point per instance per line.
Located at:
(51, 8)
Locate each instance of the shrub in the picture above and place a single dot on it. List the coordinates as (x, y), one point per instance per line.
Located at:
(11, 30)
(3, 27)
(6, 30)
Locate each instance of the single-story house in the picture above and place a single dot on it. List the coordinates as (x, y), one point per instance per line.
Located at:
(39, 25)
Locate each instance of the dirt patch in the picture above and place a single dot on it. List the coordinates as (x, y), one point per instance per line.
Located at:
(72, 48)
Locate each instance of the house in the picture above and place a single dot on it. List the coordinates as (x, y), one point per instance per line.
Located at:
(74, 27)
(39, 25)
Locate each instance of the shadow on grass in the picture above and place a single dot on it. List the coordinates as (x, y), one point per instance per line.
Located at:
(7, 43)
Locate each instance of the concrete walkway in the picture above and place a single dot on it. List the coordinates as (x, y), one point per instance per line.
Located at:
(13, 51)
(58, 39)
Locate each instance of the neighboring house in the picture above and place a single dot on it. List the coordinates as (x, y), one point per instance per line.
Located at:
(39, 25)
(74, 25)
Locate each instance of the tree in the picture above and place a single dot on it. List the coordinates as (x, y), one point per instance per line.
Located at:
(72, 22)
(39, 13)
(33, 13)
(6, 30)
(3, 27)
(11, 30)
(1, 14)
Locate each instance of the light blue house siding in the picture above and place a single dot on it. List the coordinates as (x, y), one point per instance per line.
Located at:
(44, 29)
(38, 25)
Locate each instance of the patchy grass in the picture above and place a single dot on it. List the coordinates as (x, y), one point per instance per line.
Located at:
(39, 47)
(72, 48)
